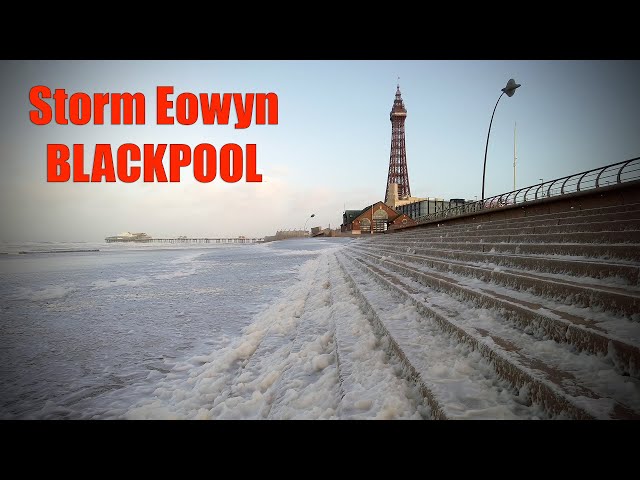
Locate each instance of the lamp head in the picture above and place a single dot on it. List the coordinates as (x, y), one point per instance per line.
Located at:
(510, 89)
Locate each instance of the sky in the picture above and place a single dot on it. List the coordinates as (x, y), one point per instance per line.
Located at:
(330, 149)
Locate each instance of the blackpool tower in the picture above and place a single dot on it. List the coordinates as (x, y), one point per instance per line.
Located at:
(398, 173)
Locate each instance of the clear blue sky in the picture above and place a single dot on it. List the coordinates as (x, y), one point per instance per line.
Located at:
(331, 147)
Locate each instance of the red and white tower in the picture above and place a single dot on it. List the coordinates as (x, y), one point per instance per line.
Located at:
(398, 173)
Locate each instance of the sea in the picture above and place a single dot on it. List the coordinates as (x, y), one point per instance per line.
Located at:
(91, 330)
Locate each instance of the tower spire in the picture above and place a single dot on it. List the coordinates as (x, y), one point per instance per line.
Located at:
(398, 173)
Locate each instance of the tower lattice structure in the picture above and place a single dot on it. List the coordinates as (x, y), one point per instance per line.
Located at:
(398, 172)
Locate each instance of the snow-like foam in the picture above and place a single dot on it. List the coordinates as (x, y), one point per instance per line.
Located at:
(284, 365)
(51, 292)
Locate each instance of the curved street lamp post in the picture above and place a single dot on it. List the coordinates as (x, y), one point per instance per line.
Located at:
(305, 223)
(510, 89)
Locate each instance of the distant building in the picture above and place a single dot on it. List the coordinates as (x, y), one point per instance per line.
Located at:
(376, 218)
(286, 234)
(325, 232)
(427, 206)
(129, 237)
(394, 201)
(291, 233)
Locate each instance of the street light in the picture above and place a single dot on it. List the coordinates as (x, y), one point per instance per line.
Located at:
(510, 89)
(305, 223)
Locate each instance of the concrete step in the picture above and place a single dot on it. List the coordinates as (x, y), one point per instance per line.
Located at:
(568, 220)
(352, 322)
(576, 214)
(585, 329)
(598, 269)
(468, 390)
(620, 301)
(481, 230)
(561, 393)
(600, 237)
(628, 253)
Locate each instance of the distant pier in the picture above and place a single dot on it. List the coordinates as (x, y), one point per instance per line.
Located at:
(186, 240)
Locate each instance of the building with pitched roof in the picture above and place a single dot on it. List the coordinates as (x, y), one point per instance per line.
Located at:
(376, 218)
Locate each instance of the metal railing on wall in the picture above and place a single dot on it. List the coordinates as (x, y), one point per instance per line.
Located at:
(621, 172)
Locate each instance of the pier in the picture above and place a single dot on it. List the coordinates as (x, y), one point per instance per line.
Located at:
(188, 240)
